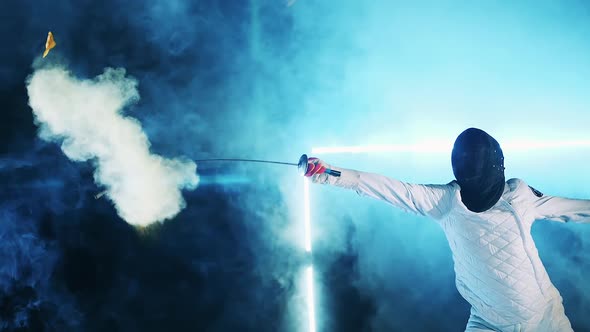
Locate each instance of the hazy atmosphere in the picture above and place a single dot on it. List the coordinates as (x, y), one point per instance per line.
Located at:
(109, 223)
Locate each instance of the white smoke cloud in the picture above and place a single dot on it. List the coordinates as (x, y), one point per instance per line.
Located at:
(85, 117)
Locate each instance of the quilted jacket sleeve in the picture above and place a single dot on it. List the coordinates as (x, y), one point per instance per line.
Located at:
(558, 208)
(428, 200)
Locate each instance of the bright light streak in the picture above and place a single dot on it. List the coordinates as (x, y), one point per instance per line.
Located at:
(446, 146)
(309, 270)
(531, 145)
(422, 147)
(310, 299)
(307, 215)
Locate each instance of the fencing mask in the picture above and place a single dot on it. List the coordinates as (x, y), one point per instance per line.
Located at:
(478, 166)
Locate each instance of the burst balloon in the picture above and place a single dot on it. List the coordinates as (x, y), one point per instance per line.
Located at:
(49, 44)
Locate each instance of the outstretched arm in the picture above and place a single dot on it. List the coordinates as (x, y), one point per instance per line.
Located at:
(554, 208)
(559, 208)
(428, 200)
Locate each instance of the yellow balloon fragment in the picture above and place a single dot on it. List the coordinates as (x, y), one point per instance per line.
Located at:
(49, 44)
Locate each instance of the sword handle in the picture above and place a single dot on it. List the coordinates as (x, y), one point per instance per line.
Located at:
(303, 167)
(332, 172)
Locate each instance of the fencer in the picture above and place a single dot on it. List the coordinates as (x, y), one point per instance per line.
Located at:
(487, 222)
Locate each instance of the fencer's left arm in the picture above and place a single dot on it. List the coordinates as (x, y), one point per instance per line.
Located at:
(559, 208)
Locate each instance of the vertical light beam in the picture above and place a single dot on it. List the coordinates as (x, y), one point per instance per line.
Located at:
(307, 215)
(309, 269)
(310, 299)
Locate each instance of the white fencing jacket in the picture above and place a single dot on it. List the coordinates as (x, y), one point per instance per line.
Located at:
(497, 265)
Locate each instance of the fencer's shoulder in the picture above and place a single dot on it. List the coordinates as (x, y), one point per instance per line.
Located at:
(442, 190)
(453, 185)
(520, 186)
(453, 188)
(515, 183)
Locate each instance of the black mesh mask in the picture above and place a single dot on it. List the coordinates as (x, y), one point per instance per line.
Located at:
(478, 166)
